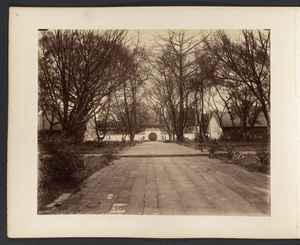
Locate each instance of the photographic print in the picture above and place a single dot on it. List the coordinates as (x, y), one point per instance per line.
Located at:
(154, 122)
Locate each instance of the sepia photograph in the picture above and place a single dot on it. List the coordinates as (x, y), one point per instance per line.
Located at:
(157, 122)
(154, 122)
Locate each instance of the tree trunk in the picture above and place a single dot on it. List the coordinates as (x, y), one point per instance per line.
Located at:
(79, 135)
(196, 116)
(173, 139)
(180, 136)
(202, 127)
(131, 138)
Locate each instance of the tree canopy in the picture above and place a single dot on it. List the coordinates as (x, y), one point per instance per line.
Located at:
(112, 76)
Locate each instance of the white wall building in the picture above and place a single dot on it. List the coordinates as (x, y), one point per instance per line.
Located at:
(214, 129)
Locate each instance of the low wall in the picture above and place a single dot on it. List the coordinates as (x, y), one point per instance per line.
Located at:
(189, 136)
(118, 137)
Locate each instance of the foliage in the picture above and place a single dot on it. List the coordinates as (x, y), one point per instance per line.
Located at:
(110, 152)
(229, 149)
(199, 138)
(264, 159)
(213, 148)
(186, 140)
(63, 162)
(75, 74)
(242, 67)
(48, 190)
(233, 153)
(107, 75)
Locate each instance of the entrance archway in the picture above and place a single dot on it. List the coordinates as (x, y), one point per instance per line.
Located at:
(152, 136)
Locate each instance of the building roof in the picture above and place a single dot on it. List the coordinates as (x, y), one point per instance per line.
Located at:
(227, 122)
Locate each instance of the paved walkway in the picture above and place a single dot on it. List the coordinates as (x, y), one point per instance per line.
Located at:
(188, 185)
(160, 149)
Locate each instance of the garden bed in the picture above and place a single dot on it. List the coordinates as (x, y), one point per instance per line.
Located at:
(248, 162)
(252, 156)
(49, 188)
(220, 145)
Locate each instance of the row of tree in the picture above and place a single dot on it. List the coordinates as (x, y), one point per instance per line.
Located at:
(90, 75)
(109, 77)
(219, 72)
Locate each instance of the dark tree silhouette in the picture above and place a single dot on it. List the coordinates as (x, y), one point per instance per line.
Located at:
(127, 100)
(74, 74)
(245, 59)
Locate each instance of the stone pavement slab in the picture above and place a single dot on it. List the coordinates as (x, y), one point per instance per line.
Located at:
(160, 149)
(186, 185)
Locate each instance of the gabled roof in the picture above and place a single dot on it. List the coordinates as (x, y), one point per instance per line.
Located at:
(227, 122)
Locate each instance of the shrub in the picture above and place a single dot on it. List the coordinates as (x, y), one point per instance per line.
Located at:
(110, 152)
(233, 153)
(187, 140)
(229, 150)
(264, 160)
(199, 138)
(213, 149)
(63, 162)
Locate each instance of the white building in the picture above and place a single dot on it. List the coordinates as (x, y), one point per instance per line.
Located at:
(214, 129)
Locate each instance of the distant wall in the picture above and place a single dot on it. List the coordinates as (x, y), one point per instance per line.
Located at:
(118, 137)
(89, 136)
(189, 136)
(157, 132)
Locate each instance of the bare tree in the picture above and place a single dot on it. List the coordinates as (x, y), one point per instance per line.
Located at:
(174, 64)
(245, 59)
(129, 96)
(161, 103)
(245, 107)
(74, 78)
(239, 102)
(223, 94)
(101, 120)
(201, 83)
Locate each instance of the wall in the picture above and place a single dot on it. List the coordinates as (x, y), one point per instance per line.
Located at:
(189, 136)
(214, 129)
(158, 133)
(116, 137)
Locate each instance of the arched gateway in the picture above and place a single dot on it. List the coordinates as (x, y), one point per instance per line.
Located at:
(152, 136)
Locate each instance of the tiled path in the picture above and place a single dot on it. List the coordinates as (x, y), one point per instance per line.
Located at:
(189, 185)
(148, 149)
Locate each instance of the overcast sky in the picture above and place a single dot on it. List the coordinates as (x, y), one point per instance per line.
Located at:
(147, 37)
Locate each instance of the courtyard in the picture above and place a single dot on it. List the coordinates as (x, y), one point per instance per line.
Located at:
(156, 178)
